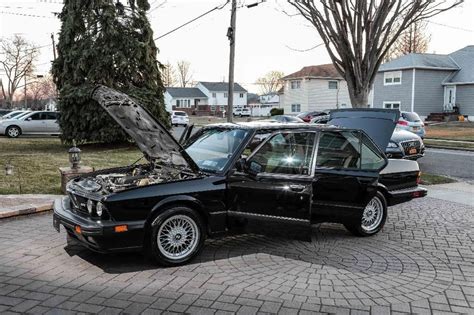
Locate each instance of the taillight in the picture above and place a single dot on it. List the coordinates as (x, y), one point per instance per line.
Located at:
(418, 178)
(402, 123)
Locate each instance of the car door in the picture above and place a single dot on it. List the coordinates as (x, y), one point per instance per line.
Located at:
(34, 123)
(345, 176)
(52, 125)
(276, 183)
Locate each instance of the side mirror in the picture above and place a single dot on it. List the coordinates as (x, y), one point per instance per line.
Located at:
(240, 165)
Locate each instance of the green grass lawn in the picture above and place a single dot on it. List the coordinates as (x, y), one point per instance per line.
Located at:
(37, 161)
(431, 179)
(453, 130)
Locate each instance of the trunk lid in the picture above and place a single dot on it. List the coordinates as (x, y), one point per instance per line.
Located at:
(378, 124)
(153, 139)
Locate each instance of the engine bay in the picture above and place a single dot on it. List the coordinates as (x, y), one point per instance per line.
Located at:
(135, 176)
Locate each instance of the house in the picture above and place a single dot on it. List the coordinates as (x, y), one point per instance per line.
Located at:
(427, 83)
(314, 88)
(217, 94)
(186, 99)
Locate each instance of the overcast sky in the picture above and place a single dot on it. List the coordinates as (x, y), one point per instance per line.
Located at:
(267, 38)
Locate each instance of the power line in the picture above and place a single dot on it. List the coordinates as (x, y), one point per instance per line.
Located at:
(450, 26)
(27, 15)
(192, 20)
(304, 50)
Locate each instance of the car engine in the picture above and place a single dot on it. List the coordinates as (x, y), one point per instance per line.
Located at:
(136, 176)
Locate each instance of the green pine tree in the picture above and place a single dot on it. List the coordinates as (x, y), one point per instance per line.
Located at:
(110, 43)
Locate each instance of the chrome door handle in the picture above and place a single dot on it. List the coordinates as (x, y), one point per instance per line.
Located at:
(297, 187)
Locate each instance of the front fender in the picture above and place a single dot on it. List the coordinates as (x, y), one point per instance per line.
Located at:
(166, 203)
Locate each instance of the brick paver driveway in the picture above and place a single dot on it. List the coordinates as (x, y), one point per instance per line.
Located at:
(422, 262)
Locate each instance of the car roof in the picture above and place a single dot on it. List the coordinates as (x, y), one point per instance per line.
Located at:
(262, 124)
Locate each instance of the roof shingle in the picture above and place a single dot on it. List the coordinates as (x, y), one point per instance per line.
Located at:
(320, 71)
(185, 92)
(222, 86)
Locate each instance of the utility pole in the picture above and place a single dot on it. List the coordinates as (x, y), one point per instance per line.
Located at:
(231, 37)
(54, 46)
(26, 101)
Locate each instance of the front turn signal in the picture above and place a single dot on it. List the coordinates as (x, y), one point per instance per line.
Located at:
(78, 229)
(121, 228)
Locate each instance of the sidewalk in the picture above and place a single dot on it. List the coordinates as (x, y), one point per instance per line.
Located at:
(460, 192)
(14, 205)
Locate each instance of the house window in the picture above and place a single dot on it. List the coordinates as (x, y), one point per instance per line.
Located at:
(177, 103)
(295, 84)
(332, 85)
(214, 94)
(392, 78)
(391, 105)
(295, 108)
(213, 108)
(241, 95)
(226, 95)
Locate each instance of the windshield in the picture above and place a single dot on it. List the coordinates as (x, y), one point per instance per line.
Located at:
(212, 149)
(179, 114)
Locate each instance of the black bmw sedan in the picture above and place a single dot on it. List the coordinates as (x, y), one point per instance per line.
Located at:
(292, 175)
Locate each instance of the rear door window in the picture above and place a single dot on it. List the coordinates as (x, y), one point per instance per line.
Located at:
(339, 150)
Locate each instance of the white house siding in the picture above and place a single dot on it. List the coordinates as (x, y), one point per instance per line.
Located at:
(394, 93)
(220, 100)
(295, 96)
(465, 99)
(168, 100)
(429, 91)
(321, 97)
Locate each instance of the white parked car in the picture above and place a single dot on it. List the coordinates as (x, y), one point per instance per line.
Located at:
(242, 112)
(37, 123)
(179, 118)
(14, 114)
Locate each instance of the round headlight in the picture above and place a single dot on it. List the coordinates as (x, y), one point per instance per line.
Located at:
(90, 206)
(99, 208)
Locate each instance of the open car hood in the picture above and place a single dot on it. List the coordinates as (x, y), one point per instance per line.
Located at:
(378, 124)
(149, 134)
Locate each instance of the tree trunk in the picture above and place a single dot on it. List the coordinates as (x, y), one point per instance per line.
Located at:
(359, 95)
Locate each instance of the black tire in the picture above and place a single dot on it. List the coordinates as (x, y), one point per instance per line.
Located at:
(359, 229)
(13, 132)
(157, 249)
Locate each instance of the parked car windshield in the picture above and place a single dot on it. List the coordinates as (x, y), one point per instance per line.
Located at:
(180, 114)
(212, 149)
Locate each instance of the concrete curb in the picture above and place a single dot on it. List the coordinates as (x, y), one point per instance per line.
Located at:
(22, 210)
(17, 205)
(435, 146)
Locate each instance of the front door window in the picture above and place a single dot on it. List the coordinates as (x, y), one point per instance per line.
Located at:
(285, 153)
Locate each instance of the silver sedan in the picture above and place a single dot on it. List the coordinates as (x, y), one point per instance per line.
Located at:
(34, 123)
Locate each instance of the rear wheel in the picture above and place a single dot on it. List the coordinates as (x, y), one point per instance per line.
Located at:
(373, 217)
(177, 236)
(13, 132)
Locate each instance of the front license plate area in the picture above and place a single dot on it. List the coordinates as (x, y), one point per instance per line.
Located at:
(56, 224)
(412, 151)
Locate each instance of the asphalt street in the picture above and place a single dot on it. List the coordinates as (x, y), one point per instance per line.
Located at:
(454, 163)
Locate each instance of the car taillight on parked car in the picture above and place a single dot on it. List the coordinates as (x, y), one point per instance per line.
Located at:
(402, 123)
(418, 178)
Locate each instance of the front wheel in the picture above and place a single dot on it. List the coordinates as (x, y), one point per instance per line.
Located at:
(13, 132)
(373, 217)
(177, 236)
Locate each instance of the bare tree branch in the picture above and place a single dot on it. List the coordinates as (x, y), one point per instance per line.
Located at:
(359, 33)
(184, 73)
(17, 63)
(168, 75)
(271, 82)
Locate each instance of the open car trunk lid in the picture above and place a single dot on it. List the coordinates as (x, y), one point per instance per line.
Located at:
(149, 134)
(378, 124)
